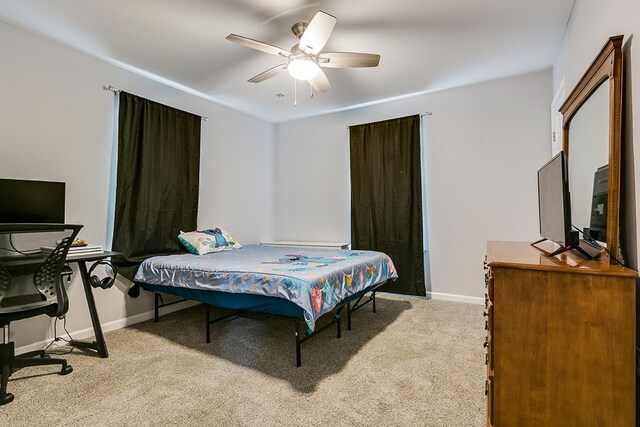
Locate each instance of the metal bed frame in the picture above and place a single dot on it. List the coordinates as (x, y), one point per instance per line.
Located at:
(301, 335)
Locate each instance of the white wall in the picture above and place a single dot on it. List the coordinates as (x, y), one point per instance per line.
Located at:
(57, 124)
(483, 145)
(592, 22)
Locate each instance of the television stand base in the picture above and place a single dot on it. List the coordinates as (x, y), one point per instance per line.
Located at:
(538, 241)
(563, 249)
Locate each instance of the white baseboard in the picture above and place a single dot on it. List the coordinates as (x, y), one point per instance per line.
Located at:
(455, 298)
(439, 296)
(83, 334)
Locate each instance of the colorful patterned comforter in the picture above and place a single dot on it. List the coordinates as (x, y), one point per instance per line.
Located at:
(314, 279)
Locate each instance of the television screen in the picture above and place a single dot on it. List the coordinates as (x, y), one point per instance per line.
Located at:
(24, 201)
(554, 205)
(598, 224)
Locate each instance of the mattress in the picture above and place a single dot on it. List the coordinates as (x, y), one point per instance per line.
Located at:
(314, 279)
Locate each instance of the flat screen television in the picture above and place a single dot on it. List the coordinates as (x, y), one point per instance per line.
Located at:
(555, 205)
(23, 201)
(598, 225)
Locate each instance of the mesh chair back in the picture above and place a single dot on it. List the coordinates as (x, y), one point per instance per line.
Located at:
(48, 276)
(45, 275)
(5, 281)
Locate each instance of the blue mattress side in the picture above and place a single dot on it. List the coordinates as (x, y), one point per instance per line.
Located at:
(249, 302)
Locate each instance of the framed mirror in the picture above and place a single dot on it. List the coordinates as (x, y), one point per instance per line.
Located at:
(592, 120)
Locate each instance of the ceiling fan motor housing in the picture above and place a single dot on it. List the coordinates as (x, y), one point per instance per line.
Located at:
(298, 28)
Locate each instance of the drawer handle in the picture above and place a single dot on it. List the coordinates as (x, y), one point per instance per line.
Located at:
(486, 343)
(486, 387)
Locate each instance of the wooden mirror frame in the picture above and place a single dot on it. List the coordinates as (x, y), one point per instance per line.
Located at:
(606, 66)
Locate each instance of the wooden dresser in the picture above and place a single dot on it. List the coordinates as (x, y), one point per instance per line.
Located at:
(560, 339)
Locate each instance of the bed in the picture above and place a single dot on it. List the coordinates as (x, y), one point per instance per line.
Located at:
(299, 283)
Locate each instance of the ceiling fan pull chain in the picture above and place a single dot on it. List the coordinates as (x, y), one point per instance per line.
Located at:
(295, 92)
(311, 93)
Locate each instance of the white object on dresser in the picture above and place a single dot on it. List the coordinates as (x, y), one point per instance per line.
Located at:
(334, 245)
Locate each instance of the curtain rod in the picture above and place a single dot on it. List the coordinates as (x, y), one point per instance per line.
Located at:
(426, 113)
(116, 90)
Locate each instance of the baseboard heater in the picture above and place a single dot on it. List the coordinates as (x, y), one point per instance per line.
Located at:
(298, 244)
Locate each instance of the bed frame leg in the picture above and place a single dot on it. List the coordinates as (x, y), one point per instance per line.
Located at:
(298, 353)
(337, 316)
(156, 303)
(348, 316)
(208, 324)
(373, 297)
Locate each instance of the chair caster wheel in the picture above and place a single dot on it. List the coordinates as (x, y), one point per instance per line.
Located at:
(66, 370)
(6, 398)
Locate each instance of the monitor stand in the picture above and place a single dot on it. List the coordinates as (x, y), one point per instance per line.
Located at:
(581, 250)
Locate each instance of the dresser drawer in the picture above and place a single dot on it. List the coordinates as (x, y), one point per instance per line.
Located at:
(489, 393)
(489, 278)
(489, 354)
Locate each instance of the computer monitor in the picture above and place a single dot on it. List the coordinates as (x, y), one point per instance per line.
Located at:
(24, 201)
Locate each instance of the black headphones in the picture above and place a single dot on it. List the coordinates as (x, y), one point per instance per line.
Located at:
(106, 282)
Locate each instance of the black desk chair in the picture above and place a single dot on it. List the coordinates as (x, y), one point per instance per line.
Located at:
(51, 298)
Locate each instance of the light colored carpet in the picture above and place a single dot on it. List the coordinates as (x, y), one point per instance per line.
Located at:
(414, 363)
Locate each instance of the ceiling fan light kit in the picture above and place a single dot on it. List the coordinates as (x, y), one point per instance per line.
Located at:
(305, 59)
(303, 67)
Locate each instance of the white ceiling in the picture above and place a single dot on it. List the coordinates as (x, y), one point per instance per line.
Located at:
(425, 45)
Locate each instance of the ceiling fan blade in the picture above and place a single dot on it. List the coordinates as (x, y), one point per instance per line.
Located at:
(271, 72)
(320, 82)
(317, 33)
(257, 45)
(348, 60)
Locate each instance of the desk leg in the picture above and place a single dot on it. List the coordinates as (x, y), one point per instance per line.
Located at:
(99, 345)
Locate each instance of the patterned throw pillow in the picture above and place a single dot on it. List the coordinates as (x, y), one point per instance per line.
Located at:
(208, 241)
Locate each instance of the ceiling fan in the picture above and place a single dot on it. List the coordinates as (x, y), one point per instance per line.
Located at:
(304, 59)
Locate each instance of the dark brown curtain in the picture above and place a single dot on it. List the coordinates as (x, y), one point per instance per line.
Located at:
(386, 197)
(157, 180)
